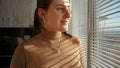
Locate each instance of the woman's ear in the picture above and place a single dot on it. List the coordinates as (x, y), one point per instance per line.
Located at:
(41, 13)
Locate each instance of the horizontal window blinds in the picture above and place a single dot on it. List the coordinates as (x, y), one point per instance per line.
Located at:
(105, 45)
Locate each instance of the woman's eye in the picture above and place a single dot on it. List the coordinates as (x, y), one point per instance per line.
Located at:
(60, 8)
(64, 8)
(69, 8)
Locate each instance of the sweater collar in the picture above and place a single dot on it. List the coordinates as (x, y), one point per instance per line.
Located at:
(51, 35)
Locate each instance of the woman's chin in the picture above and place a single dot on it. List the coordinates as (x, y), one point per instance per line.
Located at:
(64, 29)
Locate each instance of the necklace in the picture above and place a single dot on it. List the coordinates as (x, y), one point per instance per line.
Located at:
(52, 43)
(56, 50)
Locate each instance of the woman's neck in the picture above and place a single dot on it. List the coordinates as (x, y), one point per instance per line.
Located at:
(51, 35)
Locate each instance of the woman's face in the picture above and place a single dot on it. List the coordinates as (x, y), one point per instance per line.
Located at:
(57, 16)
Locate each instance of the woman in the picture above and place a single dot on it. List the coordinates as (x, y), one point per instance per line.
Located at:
(52, 47)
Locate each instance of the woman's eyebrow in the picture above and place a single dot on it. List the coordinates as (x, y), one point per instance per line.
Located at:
(63, 5)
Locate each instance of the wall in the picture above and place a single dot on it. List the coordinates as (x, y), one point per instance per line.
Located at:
(16, 13)
(79, 24)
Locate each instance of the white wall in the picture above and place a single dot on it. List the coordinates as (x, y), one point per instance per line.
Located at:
(16, 13)
(79, 16)
(79, 22)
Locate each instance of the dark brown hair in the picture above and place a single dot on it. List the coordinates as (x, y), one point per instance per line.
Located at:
(38, 22)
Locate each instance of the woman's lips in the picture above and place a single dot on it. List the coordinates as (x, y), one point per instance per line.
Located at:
(65, 22)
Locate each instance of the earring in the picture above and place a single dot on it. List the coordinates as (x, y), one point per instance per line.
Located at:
(43, 21)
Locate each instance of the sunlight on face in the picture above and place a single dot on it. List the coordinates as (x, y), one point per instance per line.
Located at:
(58, 16)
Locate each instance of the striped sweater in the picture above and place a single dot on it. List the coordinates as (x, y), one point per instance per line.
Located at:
(38, 52)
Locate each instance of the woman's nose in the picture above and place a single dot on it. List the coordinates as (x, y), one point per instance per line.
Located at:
(67, 14)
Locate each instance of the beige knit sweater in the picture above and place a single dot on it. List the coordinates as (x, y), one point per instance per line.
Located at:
(45, 51)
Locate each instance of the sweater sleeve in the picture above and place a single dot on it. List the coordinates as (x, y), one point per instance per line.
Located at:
(18, 59)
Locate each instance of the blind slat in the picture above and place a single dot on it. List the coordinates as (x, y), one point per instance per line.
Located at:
(108, 5)
(109, 51)
(105, 38)
(105, 60)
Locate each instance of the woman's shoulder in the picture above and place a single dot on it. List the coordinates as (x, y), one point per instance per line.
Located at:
(31, 41)
(73, 38)
(28, 44)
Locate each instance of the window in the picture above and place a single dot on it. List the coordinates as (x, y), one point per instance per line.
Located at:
(104, 48)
